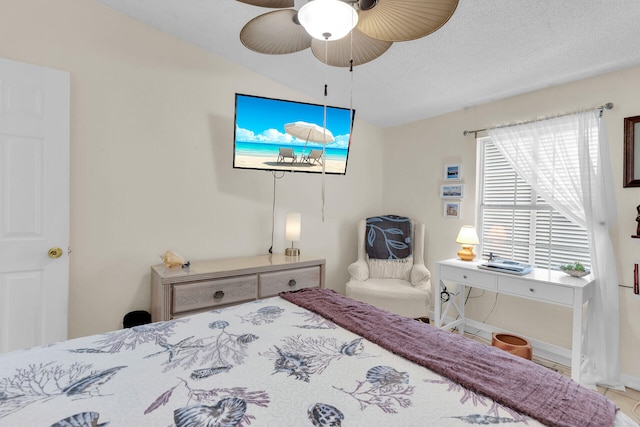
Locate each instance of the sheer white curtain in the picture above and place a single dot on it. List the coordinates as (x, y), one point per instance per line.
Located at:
(566, 160)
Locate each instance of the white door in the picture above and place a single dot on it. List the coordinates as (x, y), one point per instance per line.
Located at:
(34, 204)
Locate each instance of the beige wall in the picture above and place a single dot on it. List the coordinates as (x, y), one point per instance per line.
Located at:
(415, 155)
(151, 158)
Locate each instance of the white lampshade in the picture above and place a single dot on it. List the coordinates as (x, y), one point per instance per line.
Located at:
(327, 19)
(467, 235)
(292, 226)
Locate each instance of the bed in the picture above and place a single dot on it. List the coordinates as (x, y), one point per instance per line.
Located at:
(305, 358)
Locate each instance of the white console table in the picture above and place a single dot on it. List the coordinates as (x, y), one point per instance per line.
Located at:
(553, 287)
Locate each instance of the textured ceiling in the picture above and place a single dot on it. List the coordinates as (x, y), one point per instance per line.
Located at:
(489, 49)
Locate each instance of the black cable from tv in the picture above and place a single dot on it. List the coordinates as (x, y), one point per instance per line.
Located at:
(273, 208)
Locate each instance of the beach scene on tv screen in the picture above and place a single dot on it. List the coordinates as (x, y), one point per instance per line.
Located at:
(275, 134)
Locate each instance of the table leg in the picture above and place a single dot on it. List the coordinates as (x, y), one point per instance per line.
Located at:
(460, 307)
(437, 305)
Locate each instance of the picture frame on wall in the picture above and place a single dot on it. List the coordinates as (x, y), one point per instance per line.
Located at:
(452, 191)
(631, 165)
(451, 209)
(453, 172)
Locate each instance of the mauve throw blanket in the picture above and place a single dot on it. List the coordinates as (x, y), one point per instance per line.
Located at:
(531, 389)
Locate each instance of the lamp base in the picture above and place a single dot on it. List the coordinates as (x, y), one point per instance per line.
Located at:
(292, 252)
(466, 253)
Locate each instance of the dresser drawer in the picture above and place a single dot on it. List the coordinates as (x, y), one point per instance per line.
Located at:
(212, 293)
(537, 290)
(475, 278)
(272, 284)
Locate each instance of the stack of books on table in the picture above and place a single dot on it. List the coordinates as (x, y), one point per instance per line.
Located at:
(507, 266)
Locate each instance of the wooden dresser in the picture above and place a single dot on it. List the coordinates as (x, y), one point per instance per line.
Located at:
(206, 285)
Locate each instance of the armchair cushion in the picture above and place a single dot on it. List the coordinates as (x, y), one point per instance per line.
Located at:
(391, 268)
(395, 295)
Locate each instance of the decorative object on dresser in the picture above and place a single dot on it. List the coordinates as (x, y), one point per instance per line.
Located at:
(292, 232)
(467, 237)
(397, 281)
(172, 259)
(206, 285)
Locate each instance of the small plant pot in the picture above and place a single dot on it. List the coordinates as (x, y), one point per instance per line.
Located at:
(576, 273)
(513, 344)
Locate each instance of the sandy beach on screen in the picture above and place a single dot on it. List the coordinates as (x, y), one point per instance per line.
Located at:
(256, 162)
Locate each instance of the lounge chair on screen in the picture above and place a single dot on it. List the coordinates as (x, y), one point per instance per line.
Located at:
(314, 157)
(286, 153)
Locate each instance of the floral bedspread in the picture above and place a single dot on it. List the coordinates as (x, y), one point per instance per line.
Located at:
(263, 363)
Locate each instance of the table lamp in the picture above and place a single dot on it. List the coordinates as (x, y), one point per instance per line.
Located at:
(467, 237)
(292, 232)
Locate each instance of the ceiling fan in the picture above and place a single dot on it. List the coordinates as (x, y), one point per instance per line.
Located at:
(378, 23)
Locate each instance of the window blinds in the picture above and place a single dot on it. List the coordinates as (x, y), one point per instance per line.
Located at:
(516, 223)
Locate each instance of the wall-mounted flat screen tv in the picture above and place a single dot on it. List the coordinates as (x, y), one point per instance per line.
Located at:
(280, 135)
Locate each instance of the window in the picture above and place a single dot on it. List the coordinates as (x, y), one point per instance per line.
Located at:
(516, 223)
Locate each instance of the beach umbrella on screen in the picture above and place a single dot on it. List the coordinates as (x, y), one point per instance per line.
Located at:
(309, 132)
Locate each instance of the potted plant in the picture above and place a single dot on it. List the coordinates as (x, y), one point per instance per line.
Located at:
(576, 269)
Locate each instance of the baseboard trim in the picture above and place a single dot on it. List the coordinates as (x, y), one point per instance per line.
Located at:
(630, 381)
(541, 349)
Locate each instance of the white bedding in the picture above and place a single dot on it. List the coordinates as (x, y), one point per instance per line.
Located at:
(264, 363)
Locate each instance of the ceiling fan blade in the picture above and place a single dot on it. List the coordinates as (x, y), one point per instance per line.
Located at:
(403, 20)
(275, 4)
(338, 52)
(275, 33)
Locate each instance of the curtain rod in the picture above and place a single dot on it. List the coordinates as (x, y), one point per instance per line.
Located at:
(607, 106)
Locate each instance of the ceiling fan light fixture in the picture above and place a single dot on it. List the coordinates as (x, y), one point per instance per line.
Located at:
(328, 19)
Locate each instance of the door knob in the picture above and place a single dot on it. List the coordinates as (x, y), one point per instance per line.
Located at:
(55, 253)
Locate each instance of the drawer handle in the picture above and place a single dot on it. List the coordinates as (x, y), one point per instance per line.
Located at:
(464, 276)
(218, 295)
(531, 290)
(292, 282)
